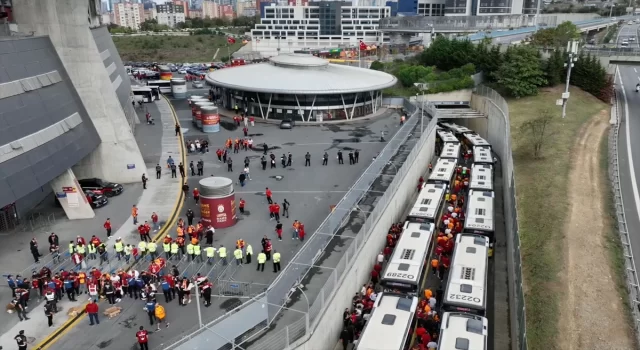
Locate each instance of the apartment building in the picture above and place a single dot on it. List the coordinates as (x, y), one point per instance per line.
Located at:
(130, 15)
(488, 7)
(170, 13)
(210, 9)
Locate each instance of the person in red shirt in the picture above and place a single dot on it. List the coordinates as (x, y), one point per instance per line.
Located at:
(426, 338)
(196, 195)
(377, 268)
(154, 220)
(143, 338)
(241, 206)
(301, 232)
(271, 211)
(268, 193)
(92, 311)
(276, 211)
(107, 226)
(387, 253)
(95, 241)
(374, 276)
(147, 230)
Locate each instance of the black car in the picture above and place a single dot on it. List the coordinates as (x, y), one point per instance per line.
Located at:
(287, 123)
(109, 189)
(96, 200)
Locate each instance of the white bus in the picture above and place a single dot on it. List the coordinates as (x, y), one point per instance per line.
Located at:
(457, 129)
(428, 207)
(391, 321)
(481, 177)
(142, 93)
(482, 155)
(467, 282)
(450, 151)
(443, 172)
(406, 267)
(445, 136)
(479, 215)
(164, 85)
(463, 331)
(473, 139)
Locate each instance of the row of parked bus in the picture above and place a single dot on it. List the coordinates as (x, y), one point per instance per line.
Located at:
(151, 91)
(463, 324)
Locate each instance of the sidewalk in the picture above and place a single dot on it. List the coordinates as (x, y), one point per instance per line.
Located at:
(160, 196)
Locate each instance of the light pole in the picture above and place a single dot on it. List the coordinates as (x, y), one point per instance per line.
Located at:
(537, 13)
(394, 167)
(299, 286)
(572, 50)
(198, 304)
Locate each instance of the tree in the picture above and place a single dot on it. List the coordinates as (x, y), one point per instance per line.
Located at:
(556, 37)
(520, 74)
(537, 131)
(377, 65)
(554, 68)
(446, 54)
(409, 74)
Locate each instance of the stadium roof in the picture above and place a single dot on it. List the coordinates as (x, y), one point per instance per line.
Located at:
(300, 74)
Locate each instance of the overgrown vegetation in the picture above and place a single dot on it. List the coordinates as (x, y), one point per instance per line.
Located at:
(611, 33)
(556, 37)
(236, 25)
(178, 49)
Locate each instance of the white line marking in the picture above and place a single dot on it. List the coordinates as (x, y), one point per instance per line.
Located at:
(635, 70)
(634, 184)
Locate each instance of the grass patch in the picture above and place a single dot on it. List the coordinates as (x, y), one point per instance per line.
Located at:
(613, 242)
(176, 49)
(542, 189)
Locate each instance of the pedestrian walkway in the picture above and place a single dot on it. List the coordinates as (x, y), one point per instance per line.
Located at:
(161, 196)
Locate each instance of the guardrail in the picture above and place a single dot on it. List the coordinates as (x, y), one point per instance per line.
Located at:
(614, 176)
(612, 52)
(463, 23)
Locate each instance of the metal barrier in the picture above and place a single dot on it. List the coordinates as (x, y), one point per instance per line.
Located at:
(630, 265)
(612, 51)
(39, 221)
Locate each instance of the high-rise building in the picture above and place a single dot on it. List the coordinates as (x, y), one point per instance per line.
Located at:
(170, 14)
(129, 15)
(483, 7)
(193, 13)
(227, 11)
(210, 9)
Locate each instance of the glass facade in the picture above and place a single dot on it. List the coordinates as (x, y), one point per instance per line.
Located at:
(300, 106)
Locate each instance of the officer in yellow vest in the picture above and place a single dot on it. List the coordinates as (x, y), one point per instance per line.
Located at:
(82, 250)
(72, 248)
(127, 252)
(92, 252)
(222, 252)
(119, 247)
(142, 247)
(197, 251)
(276, 261)
(211, 254)
(151, 248)
(262, 258)
(174, 250)
(166, 247)
(190, 251)
(238, 255)
(249, 253)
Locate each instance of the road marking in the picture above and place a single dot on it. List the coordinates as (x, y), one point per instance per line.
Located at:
(634, 184)
(635, 71)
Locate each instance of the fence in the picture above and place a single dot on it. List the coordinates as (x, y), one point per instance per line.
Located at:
(614, 176)
(612, 51)
(361, 207)
(463, 23)
(498, 134)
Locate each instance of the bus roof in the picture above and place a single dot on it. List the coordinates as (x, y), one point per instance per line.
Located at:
(450, 150)
(481, 177)
(480, 211)
(410, 253)
(391, 319)
(429, 201)
(457, 128)
(447, 136)
(476, 140)
(467, 282)
(443, 170)
(463, 331)
(482, 154)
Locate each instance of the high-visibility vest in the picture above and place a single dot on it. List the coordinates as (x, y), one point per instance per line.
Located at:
(92, 249)
(222, 252)
(142, 246)
(119, 246)
(174, 248)
(151, 246)
(180, 231)
(81, 249)
(238, 254)
(196, 249)
(249, 249)
(71, 248)
(262, 257)
(211, 252)
(128, 250)
(276, 257)
(166, 247)
(189, 248)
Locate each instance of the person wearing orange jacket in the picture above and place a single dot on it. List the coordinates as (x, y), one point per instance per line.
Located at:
(181, 245)
(134, 214)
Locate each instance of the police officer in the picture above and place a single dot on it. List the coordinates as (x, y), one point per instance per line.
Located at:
(166, 248)
(276, 261)
(351, 159)
(262, 258)
(222, 253)
(151, 248)
(142, 247)
(128, 249)
(325, 158)
(356, 155)
(340, 160)
(211, 254)
(190, 250)
(307, 159)
(197, 252)
(263, 161)
(92, 251)
(119, 247)
(174, 250)
(238, 255)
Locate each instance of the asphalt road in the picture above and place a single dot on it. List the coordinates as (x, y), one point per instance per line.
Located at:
(310, 190)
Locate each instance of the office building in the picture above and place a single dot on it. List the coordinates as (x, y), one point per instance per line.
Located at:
(483, 7)
(65, 110)
(170, 13)
(130, 15)
(321, 24)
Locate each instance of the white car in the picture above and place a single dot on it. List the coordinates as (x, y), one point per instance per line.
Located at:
(632, 39)
(182, 71)
(197, 85)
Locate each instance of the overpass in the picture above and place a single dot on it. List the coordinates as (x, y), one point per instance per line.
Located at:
(615, 55)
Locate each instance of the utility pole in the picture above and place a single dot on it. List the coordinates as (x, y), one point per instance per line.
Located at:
(537, 14)
(572, 50)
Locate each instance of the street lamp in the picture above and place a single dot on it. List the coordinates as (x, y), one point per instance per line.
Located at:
(572, 50)
(299, 286)
(394, 167)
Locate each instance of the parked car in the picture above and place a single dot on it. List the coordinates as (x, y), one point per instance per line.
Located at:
(96, 200)
(287, 123)
(109, 189)
(197, 85)
(182, 71)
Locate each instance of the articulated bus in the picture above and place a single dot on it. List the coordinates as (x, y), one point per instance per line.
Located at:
(407, 265)
(450, 151)
(429, 205)
(388, 328)
(458, 130)
(142, 93)
(481, 177)
(466, 289)
(443, 172)
(164, 85)
(482, 155)
(480, 213)
(463, 331)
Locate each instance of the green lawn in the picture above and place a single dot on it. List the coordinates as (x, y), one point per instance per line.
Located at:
(176, 49)
(542, 188)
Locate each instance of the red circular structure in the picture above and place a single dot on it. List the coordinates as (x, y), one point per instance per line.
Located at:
(217, 202)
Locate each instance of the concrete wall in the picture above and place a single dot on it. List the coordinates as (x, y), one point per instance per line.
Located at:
(115, 68)
(328, 329)
(35, 119)
(458, 95)
(118, 157)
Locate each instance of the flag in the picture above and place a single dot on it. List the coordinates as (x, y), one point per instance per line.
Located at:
(231, 40)
(363, 46)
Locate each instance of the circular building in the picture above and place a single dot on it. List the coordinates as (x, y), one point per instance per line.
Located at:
(300, 87)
